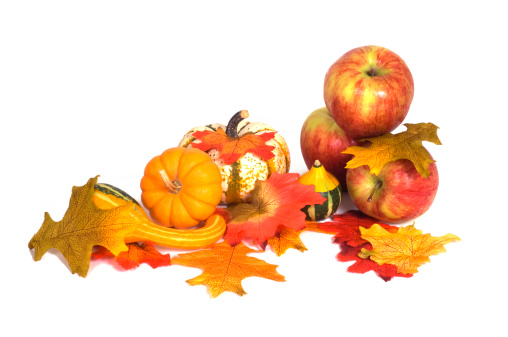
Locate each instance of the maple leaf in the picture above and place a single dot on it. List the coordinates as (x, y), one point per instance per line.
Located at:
(285, 239)
(276, 201)
(232, 148)
(224, 267)
(83, 226)
(223, 213)
(314, 226)
(137, 254)
(363, 265)
(389, 147)
(103, 253)
(407, 249)
(347, 227)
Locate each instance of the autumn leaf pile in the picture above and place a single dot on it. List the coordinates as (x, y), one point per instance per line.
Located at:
(272, 219)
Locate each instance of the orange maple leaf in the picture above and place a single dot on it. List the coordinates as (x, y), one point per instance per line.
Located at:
(407, 249)
(276, 201)
(315, 226)
(285, 239)
(224, 267)
(232, 148)
(137, 254)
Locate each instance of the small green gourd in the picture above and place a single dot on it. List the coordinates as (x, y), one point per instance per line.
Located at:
(328, 186)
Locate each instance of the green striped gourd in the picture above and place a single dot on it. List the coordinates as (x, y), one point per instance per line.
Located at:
(239, 178)
(328, 186)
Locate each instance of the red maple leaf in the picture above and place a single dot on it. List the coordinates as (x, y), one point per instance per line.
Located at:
(361, 266)
(276, 201)
(224, 213)
(102, 253)
(347, 226)
(232, 148)
(137, 254)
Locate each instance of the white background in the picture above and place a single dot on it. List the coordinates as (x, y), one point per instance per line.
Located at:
(100, 87)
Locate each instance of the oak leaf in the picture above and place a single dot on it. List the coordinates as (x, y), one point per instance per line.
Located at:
(390, 147)
(232, 148)
(350, 253)
(407, 249)
(83, 226)
(285, 239)
(224, 267)
(276, 201)
(137, 254)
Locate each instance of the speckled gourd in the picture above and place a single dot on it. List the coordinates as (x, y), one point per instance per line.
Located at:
(238, 178)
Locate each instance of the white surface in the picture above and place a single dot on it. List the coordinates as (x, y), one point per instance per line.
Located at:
(100, 87)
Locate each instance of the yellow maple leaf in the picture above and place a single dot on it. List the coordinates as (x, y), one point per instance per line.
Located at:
(389, 147)
(285, 239)
(224, 267)
(407, 249)
(83, 226)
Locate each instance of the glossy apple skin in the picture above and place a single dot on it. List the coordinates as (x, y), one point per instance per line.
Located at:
(366, 105)
(322, 139)
(403, 195)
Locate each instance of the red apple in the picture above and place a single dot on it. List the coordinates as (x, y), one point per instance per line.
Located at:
(398, 194)
(322, 139)
(368, 91)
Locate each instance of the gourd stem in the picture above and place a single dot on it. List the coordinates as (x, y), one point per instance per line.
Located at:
(232, 128)
(172, 186)
(378, 185)
(317, 163)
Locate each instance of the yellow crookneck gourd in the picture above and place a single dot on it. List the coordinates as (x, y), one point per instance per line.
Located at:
(106, 196)
(328, 186)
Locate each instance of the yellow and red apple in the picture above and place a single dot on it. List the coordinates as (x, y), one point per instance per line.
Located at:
(397, 194)
(368, 91)
(322, 139)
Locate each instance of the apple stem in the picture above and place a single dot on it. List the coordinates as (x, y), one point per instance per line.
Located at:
(371, 72)
(232, 128)
(378, 185)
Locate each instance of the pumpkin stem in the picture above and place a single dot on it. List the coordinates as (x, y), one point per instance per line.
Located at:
(173, 186)
(232, 128)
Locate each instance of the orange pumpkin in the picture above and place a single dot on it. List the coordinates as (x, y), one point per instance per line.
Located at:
(181, 187)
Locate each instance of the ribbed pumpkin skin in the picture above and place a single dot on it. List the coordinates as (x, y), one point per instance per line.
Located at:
(200, 191)
(238, 179)
(328, 186)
